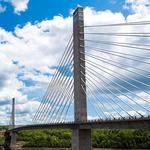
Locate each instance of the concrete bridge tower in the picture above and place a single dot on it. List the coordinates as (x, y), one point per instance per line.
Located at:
(10, 137)
(81, 138)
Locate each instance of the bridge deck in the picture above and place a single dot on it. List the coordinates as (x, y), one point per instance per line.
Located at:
(142, 123)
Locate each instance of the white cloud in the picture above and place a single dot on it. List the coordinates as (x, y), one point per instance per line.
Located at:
(121, 77)
(139, 8)
(2, 8)
(23, 112)
(39, 46)
(19, 5)
(33, 47)
(140, 98)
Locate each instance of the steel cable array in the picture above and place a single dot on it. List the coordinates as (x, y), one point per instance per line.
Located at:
(117, 75)
(117, 69)
(58, 98)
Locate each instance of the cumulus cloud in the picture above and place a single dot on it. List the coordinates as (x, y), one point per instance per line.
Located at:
(114, 81)
(31, 52)
(2, 8)
(138, 7)
(19, 5)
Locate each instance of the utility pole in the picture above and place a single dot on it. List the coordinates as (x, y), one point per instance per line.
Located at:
(81, 138)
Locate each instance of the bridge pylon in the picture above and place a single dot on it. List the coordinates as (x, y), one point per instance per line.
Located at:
(10, 137)
(13, 113)
(81, 138)
(13, 134)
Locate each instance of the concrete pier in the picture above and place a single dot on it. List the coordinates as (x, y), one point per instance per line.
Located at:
(81, 139)
(10, 141)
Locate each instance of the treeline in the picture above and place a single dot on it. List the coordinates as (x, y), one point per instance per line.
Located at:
(3, 127)
(2, 137)
(136, 139)
(1, 140)
(46, 138)
(104, 138)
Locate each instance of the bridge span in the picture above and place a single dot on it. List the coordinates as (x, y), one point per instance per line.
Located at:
(140, 123)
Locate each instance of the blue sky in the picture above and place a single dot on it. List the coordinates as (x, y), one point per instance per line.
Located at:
(33, 37)
(39, 10)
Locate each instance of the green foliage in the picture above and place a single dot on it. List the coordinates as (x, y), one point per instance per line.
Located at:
(2, 137)
(1, 140)
(135, 139)
(3, 127)
(101, 138)
(46, 138)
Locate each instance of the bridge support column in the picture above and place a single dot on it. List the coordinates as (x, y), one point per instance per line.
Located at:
(10, 140)
(81, 138)
(10, 136)
(13, 140)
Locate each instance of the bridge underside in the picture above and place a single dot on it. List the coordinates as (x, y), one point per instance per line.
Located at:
(143, 123)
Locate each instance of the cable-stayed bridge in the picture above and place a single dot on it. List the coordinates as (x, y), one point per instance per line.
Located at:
(104, 70)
